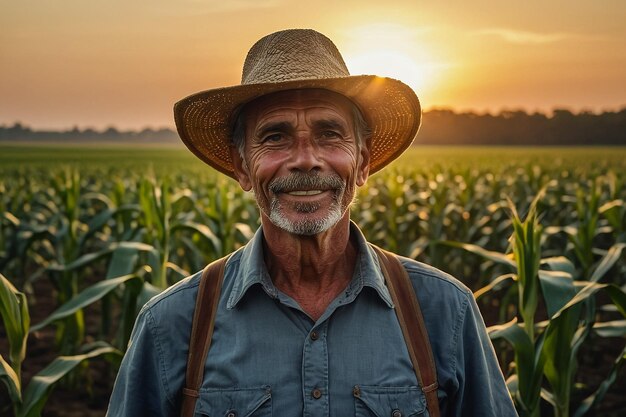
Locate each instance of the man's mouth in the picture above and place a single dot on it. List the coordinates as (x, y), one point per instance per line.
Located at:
(303, 185)
(305, 192)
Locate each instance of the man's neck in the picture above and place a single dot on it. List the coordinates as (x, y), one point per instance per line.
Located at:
(313, 270)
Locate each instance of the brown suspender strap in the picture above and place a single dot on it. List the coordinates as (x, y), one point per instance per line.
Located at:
(207, 301)
(412, 324)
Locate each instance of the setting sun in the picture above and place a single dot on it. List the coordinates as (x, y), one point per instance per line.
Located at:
(394, 51)
(393, 64)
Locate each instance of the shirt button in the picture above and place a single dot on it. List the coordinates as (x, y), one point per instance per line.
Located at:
(316, 393)
(396, 413)
(231, 414)
(314, 336)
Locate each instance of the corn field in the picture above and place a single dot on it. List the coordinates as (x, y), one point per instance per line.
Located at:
(539, 235)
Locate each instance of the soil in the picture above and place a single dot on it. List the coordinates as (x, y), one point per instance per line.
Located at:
(90, 399)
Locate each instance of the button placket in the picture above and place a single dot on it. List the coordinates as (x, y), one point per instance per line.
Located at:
(315, 372)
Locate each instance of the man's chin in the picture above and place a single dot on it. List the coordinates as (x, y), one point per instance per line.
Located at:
(308, 226)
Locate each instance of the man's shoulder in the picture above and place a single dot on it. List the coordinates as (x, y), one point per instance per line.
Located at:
(175, 296)
(427, 278)
(445, 302)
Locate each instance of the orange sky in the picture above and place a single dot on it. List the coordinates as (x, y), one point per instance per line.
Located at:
(125, 62)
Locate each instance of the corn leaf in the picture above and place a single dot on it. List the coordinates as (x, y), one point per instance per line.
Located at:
(560, 362)
(11, 380)
(11, 219)
(618, 296)
(559, 263)
(558, 289)
(615, 328)
(85, 298)
(493, 284)
(40, 386)
(613, 212)
(94, 256)
(16, 319)
(180, 271)
(245, 231)
(498, 257)
(124, 260)
(147, 292)
(101, 219)
(529, 364)
(607, 262)
(205, 232)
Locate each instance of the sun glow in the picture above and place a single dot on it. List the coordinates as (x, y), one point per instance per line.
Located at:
(393, 51)
(392, 64)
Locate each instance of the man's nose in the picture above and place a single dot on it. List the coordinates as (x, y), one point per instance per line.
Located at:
(305, 156)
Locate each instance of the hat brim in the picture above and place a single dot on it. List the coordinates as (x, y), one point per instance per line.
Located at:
(390, 108)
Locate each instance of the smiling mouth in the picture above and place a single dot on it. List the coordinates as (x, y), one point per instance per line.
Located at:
(298, 184)
(305, 192)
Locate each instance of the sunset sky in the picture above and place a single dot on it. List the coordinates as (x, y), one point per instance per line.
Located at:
(124, 63)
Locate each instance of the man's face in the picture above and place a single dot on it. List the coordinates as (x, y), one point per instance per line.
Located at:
(301, 159)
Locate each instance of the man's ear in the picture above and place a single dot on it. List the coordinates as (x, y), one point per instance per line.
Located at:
(363, 167)
(241, 169)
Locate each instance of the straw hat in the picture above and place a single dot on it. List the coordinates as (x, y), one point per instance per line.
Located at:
(298, 59)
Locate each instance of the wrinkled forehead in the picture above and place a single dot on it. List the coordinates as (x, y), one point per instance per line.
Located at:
(302, 99)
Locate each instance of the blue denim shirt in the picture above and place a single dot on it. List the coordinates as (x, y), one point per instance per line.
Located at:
(268, 358)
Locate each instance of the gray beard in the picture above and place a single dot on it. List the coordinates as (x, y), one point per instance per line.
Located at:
(307, 227)
(304, 227)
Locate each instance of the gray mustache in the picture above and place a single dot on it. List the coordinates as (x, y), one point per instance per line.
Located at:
(301, 181)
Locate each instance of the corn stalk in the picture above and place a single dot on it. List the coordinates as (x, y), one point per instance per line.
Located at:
(571, 311)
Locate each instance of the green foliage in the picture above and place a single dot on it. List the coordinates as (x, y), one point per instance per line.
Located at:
(536, 233)
(16, 319)
(42, 384)
(570, 307)
(14, 311)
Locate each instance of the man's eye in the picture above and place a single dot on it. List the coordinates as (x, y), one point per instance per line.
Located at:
(275, 137)
(330, 134)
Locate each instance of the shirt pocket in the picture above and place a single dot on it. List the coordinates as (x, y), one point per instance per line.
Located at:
(379, 401)
(239, 402)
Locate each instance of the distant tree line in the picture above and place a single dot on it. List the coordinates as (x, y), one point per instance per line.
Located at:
(445, 127)
(439, 127)
(19, 132)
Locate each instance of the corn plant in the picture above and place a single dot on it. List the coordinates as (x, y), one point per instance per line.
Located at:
(29, 402)
(570, 308)
(118, 234)
(615, 213)
(14, 312)
(124, 279)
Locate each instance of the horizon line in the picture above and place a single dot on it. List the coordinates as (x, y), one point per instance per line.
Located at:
(107, 126)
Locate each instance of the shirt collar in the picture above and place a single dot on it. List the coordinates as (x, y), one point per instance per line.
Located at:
(252, 270)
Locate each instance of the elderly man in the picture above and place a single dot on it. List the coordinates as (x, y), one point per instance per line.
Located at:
(306, 321)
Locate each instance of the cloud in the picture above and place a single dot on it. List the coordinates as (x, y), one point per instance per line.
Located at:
(524, 37)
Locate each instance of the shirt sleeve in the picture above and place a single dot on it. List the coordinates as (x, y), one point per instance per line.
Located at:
(141, 387)
(482, 390)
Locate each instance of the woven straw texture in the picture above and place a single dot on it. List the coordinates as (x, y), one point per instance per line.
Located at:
(299, 59)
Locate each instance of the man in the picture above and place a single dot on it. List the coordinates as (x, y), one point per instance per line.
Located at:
(305, 325)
